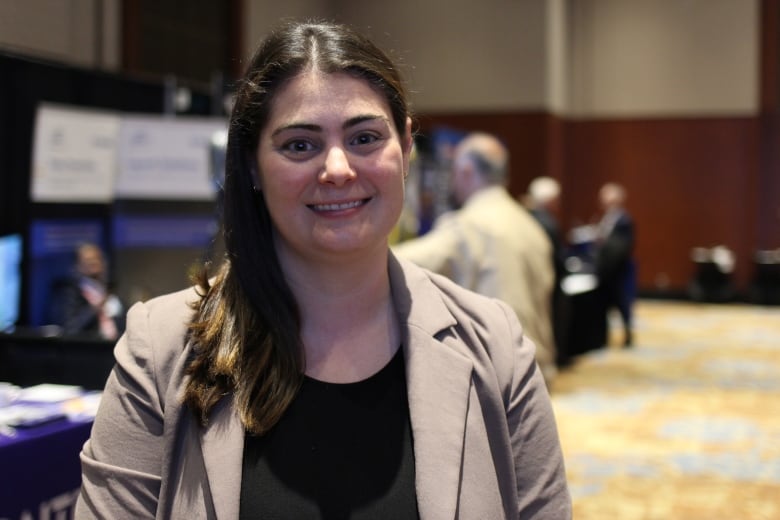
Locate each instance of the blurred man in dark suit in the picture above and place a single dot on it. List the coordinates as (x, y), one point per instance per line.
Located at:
(82, 303)
(615, 266)
(543, 200)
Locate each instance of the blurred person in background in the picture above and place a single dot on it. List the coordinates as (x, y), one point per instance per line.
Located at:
(614, 246)
(315, 375)
(544, 200)
(82, 303)
(491, 244)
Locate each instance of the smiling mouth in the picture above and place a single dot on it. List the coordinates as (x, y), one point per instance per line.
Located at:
(338, 206)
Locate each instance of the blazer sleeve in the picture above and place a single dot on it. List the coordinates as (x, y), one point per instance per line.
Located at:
(121, 462)
(542, 490)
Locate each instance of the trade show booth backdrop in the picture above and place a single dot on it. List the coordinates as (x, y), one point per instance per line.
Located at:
(86, 155)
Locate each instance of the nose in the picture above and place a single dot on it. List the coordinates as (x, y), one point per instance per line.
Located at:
(337, 167)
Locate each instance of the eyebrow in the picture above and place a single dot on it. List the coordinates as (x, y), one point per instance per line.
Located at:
(352, 121)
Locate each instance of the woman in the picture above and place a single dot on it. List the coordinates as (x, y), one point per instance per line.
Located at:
(315, 376)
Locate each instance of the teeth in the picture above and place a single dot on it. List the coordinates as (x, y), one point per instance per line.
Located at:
(336, 207)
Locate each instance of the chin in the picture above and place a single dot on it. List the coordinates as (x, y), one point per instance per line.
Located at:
(353, 245)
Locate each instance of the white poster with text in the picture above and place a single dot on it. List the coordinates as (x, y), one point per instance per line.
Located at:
(74, 155)
(166, 158)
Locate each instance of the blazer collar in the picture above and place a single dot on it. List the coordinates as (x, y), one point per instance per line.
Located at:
(222, 442)
(438, 382)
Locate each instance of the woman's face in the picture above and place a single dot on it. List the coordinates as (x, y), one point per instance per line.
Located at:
(331, 167)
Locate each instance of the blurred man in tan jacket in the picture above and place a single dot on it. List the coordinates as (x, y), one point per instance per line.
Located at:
(491, 244)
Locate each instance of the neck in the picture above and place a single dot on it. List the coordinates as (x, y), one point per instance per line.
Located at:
(349, 328)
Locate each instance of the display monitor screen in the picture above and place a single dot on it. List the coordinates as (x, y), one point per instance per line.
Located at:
(10, 279)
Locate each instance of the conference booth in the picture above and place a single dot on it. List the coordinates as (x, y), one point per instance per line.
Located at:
(129, 164)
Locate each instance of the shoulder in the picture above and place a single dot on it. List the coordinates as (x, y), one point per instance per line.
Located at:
(425, 293)
(168, 313)
(173, 304)
(157, 329)
(483, 322)
(464, 301)
(484, 329)
(496, 202)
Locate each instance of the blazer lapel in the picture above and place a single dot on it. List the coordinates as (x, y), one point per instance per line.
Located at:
(222, 443)
(438, 387)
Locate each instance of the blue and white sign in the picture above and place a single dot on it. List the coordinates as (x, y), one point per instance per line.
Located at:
(74, 155)
(166, 158)
(164, 231)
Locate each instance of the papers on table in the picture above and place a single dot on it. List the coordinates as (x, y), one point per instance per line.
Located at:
(44, 403)
(28, 416)
(49, 393)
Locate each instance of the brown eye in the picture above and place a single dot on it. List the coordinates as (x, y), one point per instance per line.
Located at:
(298, 146)
(364, 139)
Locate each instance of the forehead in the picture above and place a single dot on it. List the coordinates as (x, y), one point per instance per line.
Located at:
(315, 94)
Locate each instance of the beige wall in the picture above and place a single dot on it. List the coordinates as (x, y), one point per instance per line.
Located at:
(456, 54)
(663, 57)
(557, 56)
(70, 31)
(461, 54)
(573, 57)
(584, 58)
(262, 15)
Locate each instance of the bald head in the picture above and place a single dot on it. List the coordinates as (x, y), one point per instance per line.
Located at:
(488, 155)
(543, 190)
(612, 195)
(480, 160)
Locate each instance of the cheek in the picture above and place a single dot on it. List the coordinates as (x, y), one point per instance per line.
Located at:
(395, 174)
(274, 179)
(393, 183)
(276, 192)
(280, 198)
(392, 165)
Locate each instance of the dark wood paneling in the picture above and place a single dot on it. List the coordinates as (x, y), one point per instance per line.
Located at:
(195, 41)
(691, 182)
(131, 35)
(770, 53)
(769, 192)
(769, 195)
(235, 46)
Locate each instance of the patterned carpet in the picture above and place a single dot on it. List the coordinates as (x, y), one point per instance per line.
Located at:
(684, 425)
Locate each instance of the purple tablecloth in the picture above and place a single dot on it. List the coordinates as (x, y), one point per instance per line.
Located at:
(40, 472)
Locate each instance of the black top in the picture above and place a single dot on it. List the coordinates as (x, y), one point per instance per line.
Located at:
(340, 451)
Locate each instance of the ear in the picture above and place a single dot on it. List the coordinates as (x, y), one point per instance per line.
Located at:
(407, 142)
(254, 171)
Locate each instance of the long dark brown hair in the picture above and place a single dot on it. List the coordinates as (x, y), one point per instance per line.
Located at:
(246, 328)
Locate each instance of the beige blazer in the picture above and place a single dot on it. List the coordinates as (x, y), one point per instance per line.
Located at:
(495, 247)
(485, 440)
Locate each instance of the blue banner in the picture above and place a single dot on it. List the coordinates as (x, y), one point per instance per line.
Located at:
(164, 231)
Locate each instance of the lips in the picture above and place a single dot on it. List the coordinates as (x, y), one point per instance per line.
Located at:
(338, 206)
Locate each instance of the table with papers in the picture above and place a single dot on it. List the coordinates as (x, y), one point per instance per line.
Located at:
(42, 430)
